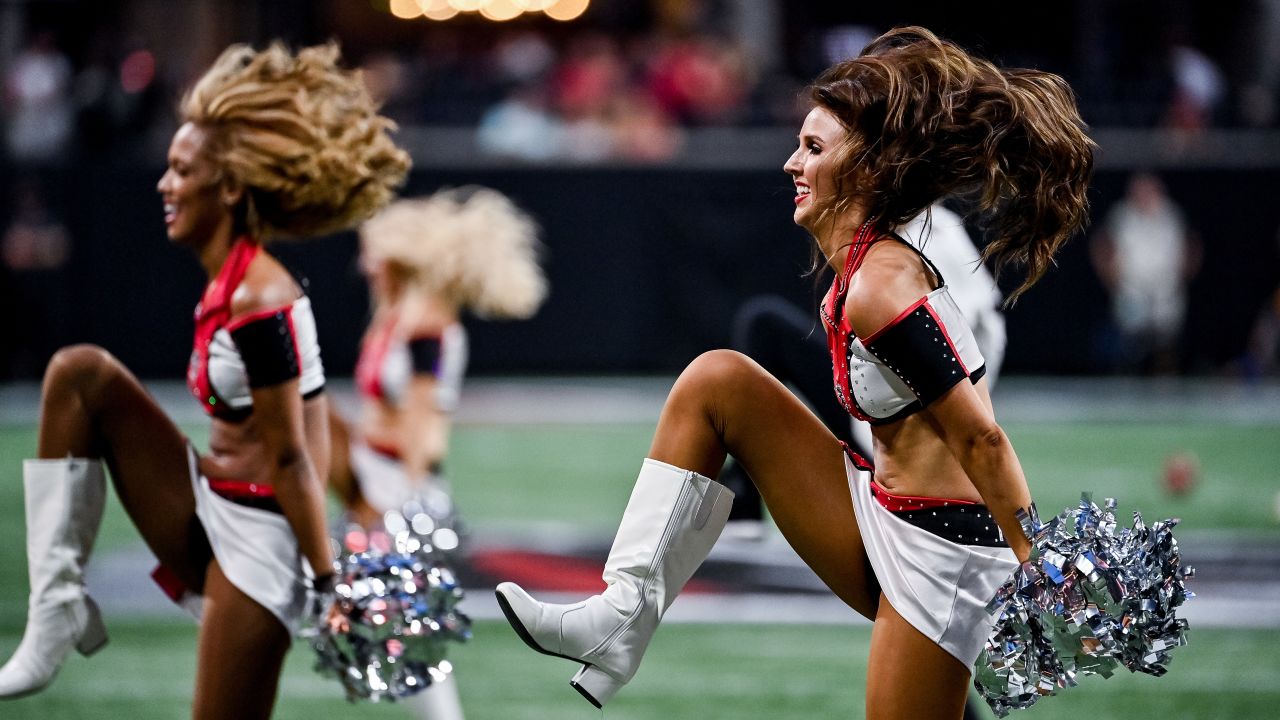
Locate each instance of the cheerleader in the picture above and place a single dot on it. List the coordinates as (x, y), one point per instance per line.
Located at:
(921, 545)
(427, 261)
(272, 145)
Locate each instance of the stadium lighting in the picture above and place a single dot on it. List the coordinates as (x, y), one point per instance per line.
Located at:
(493, 10)
(565, 10)
(501, 10)
(405, 9)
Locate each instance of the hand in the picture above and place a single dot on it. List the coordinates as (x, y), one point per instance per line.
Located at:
(323, 610)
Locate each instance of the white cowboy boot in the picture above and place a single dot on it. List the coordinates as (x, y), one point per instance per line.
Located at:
(670, 524)
(64, 499)
(438, 702)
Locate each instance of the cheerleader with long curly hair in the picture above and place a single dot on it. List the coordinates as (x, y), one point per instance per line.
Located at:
(272, 145)
(920, 545)
(427, 261)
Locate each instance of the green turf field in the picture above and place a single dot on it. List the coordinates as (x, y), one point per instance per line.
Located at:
(510, 475)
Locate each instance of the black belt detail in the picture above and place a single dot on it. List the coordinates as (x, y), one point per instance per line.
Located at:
(960, 524)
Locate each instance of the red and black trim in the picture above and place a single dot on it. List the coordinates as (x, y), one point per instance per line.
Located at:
(248, 494)
(425, 354)
(839, 331)
(373, 353)
(268, 346)
(212, 313)
(917, 348)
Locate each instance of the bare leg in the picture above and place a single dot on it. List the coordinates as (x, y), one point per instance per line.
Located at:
(724, 402)
(240, 653)
(910, 677)
(93, 407)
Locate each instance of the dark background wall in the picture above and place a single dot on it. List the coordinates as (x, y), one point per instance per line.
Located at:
(647, 267)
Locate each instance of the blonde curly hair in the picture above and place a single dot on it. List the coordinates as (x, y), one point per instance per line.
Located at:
(470, 245)
(300, 134)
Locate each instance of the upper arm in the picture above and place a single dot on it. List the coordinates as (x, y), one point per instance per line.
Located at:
(262, 328)
(913, 332)
(962, 419)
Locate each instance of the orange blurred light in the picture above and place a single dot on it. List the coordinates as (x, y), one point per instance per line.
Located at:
(405, 9)
(433, 6)
(534, 5)
(565, 10)
(468, 5)
(444, 13)
(501, 10)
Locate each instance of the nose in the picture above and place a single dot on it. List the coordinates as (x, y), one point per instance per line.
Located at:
(793, 166)
(162, 182)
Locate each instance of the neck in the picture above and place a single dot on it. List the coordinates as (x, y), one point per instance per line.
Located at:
(836, 240)
(214, 254)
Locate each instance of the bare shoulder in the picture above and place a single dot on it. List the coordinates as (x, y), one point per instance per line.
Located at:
(266, 286)
(431, 316)
(890, 280)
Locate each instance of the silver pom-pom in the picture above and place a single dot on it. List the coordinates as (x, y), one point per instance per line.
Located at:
(1089, 599)
(394, 611)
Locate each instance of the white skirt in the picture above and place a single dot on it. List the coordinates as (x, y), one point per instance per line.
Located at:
(940, 587)
(382, 479)
(256, 550)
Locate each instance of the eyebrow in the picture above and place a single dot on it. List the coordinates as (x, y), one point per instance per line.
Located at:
(809, 136)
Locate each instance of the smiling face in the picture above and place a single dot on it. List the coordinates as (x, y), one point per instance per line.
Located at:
(812, 165)
(197, 205)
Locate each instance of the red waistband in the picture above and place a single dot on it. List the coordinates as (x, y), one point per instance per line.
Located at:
(898, 503)
(232, 489)
(902, 503)
(384, 449)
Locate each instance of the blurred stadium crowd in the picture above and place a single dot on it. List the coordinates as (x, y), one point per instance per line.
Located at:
(628, 81)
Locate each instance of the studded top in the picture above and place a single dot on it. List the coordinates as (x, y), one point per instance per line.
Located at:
(227, 352)
(909, 363)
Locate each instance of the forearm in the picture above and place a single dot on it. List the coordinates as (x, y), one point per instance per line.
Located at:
(422, 428)
(994, 469)
(301, 497)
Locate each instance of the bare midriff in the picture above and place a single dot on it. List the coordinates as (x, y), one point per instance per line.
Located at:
(912, 459)
(237, 450)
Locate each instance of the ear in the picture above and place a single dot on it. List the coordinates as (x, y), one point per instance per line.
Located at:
(231, 191)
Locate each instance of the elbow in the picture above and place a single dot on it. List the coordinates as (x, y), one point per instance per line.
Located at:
(288, 463)
(985, 440)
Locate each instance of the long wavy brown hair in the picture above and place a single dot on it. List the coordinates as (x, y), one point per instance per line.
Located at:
(928, 120)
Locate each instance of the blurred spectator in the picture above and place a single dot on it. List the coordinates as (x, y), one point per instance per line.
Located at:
(1145, 256)
(642, 132)
(1262, 356)
(522, 127)
(386, 76)
(34, 251)
(523, 57)
(38, 102)
(700, 80)
(1198, 89)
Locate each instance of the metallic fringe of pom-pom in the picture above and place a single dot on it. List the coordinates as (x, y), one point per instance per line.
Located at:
(1088, 599)
(398, 600)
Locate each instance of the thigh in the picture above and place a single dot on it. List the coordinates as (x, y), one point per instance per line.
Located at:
(792, 346)
(92, 406)
(909, 677)
(725, 402)
(241, 650)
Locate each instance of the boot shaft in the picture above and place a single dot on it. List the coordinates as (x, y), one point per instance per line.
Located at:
(64, 501)
(672, 520)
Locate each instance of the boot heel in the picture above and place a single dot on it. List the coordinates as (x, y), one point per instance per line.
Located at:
(594, 684)
(95, 633)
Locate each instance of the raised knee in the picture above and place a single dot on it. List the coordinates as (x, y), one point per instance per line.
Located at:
(78, 365)
(713, 371)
